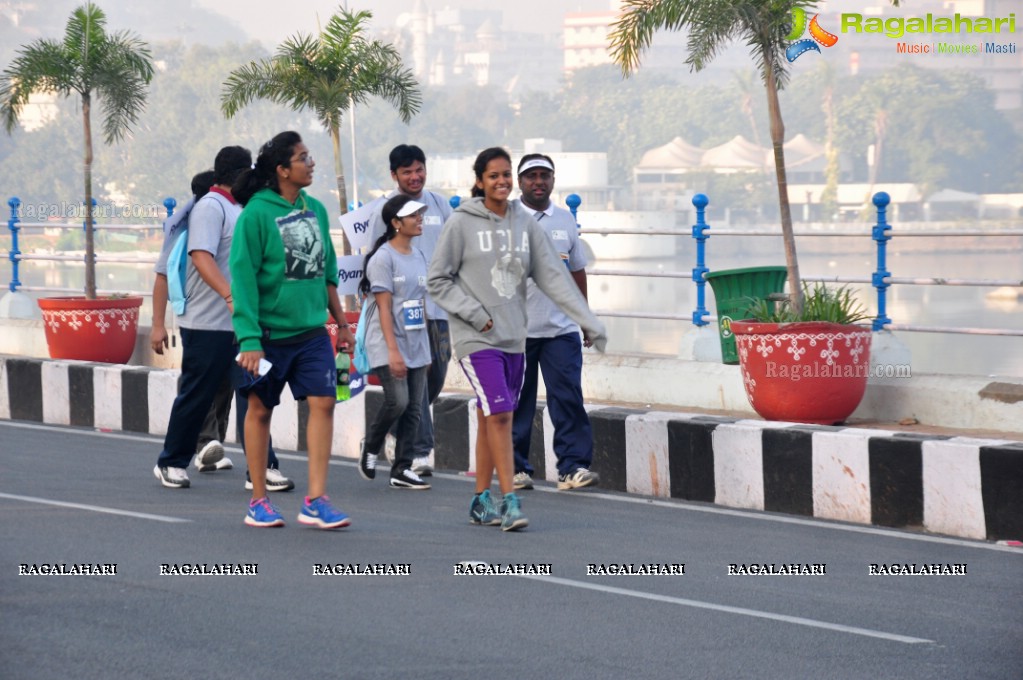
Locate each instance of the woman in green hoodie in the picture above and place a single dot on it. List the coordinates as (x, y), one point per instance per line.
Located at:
(283, 279)
(488, 248)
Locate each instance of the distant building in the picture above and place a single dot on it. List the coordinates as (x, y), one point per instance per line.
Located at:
(453, 47)
(664, 177)
(584, 174)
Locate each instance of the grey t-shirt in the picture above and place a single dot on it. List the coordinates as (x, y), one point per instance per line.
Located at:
(210, 228)
(438, 210)
(546, 320)
(404, 277)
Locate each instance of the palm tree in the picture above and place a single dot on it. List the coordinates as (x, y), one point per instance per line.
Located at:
(115, 68)
(764, 26)
(329, 74)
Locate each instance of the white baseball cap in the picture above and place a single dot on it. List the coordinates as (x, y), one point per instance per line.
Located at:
(536, 163)
(410, 208)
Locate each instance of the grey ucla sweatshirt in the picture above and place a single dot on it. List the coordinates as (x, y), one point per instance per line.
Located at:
(479, 271)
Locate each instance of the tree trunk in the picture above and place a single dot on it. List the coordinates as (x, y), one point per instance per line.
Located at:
(339, 174)
(90, 248)
(777, 142)
(348, 301)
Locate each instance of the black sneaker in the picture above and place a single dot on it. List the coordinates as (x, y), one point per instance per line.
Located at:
(406, 479)
(367, 463)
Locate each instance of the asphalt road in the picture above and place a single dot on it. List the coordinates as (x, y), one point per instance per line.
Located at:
(71, 496)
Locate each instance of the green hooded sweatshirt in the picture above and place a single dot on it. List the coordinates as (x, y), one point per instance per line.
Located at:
(282, 260)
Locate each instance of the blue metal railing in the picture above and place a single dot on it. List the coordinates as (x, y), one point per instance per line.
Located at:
(881, 279)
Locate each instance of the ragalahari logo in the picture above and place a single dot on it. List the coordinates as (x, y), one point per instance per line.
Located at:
(817, 35)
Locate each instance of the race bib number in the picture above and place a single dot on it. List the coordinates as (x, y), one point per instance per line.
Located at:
(415, 318)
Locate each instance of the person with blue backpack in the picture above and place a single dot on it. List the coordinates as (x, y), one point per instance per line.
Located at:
(207, 335)
(169, 286)
(175, 228)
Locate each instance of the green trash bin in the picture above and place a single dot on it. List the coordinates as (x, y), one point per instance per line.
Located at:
(733, 290)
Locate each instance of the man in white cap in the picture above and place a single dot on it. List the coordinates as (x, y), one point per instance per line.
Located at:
(553, 345)
(408, 170)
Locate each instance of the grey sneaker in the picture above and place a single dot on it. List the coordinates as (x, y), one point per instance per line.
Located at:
(512, 518)
(482, 510)
(521, 481)
(209, 455)
(172, 477)
(578, 479)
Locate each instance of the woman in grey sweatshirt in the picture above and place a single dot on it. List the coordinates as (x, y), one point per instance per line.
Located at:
(488, 248)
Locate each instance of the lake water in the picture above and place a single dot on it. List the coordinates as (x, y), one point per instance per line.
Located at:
(951, 257)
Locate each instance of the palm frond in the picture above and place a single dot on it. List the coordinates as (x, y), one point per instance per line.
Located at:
(326, 74)
(640, 19)
(39, 67)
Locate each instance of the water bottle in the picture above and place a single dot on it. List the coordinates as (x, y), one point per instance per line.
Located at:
(343, 364)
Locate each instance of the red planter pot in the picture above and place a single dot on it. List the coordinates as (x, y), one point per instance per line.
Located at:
(809, 372)
(101, 330)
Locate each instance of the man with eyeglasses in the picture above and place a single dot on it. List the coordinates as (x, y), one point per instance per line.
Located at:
(408, 170)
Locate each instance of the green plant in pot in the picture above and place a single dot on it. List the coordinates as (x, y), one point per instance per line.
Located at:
(806, 365)
(113, 69)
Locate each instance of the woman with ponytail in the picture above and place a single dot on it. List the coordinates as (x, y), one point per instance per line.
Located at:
(397, 342)
(488, 248)
(284, 277)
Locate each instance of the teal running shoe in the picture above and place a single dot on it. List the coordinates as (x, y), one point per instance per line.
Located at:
(512, 518)
(482, 510)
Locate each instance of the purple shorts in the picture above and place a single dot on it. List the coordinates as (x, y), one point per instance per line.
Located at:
(496, 377)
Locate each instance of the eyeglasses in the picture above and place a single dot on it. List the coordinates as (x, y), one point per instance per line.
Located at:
(304, 158)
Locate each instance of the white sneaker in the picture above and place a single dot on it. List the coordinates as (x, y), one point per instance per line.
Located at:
(390, 442)
(172, 477)
(421, 466)
(209, 456)
(275, 481)
(222, 464)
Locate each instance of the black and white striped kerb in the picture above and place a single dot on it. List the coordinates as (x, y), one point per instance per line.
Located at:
(949, 485)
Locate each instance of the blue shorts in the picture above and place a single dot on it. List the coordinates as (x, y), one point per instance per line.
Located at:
(496, 378)
(307, 367)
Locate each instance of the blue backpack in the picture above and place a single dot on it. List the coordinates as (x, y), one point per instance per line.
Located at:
(177, 265)
(177, 269)
(360, 358)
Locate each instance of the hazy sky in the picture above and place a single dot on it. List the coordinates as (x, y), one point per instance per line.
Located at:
(273, 22)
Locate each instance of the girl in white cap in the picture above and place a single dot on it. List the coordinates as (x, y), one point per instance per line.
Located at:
(397, 343)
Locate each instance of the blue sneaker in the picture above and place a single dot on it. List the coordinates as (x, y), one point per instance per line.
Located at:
(263, 513)
(320, 513)
(512, 518)
(482, 510)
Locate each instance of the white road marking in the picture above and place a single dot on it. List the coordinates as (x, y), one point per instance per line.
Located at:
(94, 508)
(696, 604)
